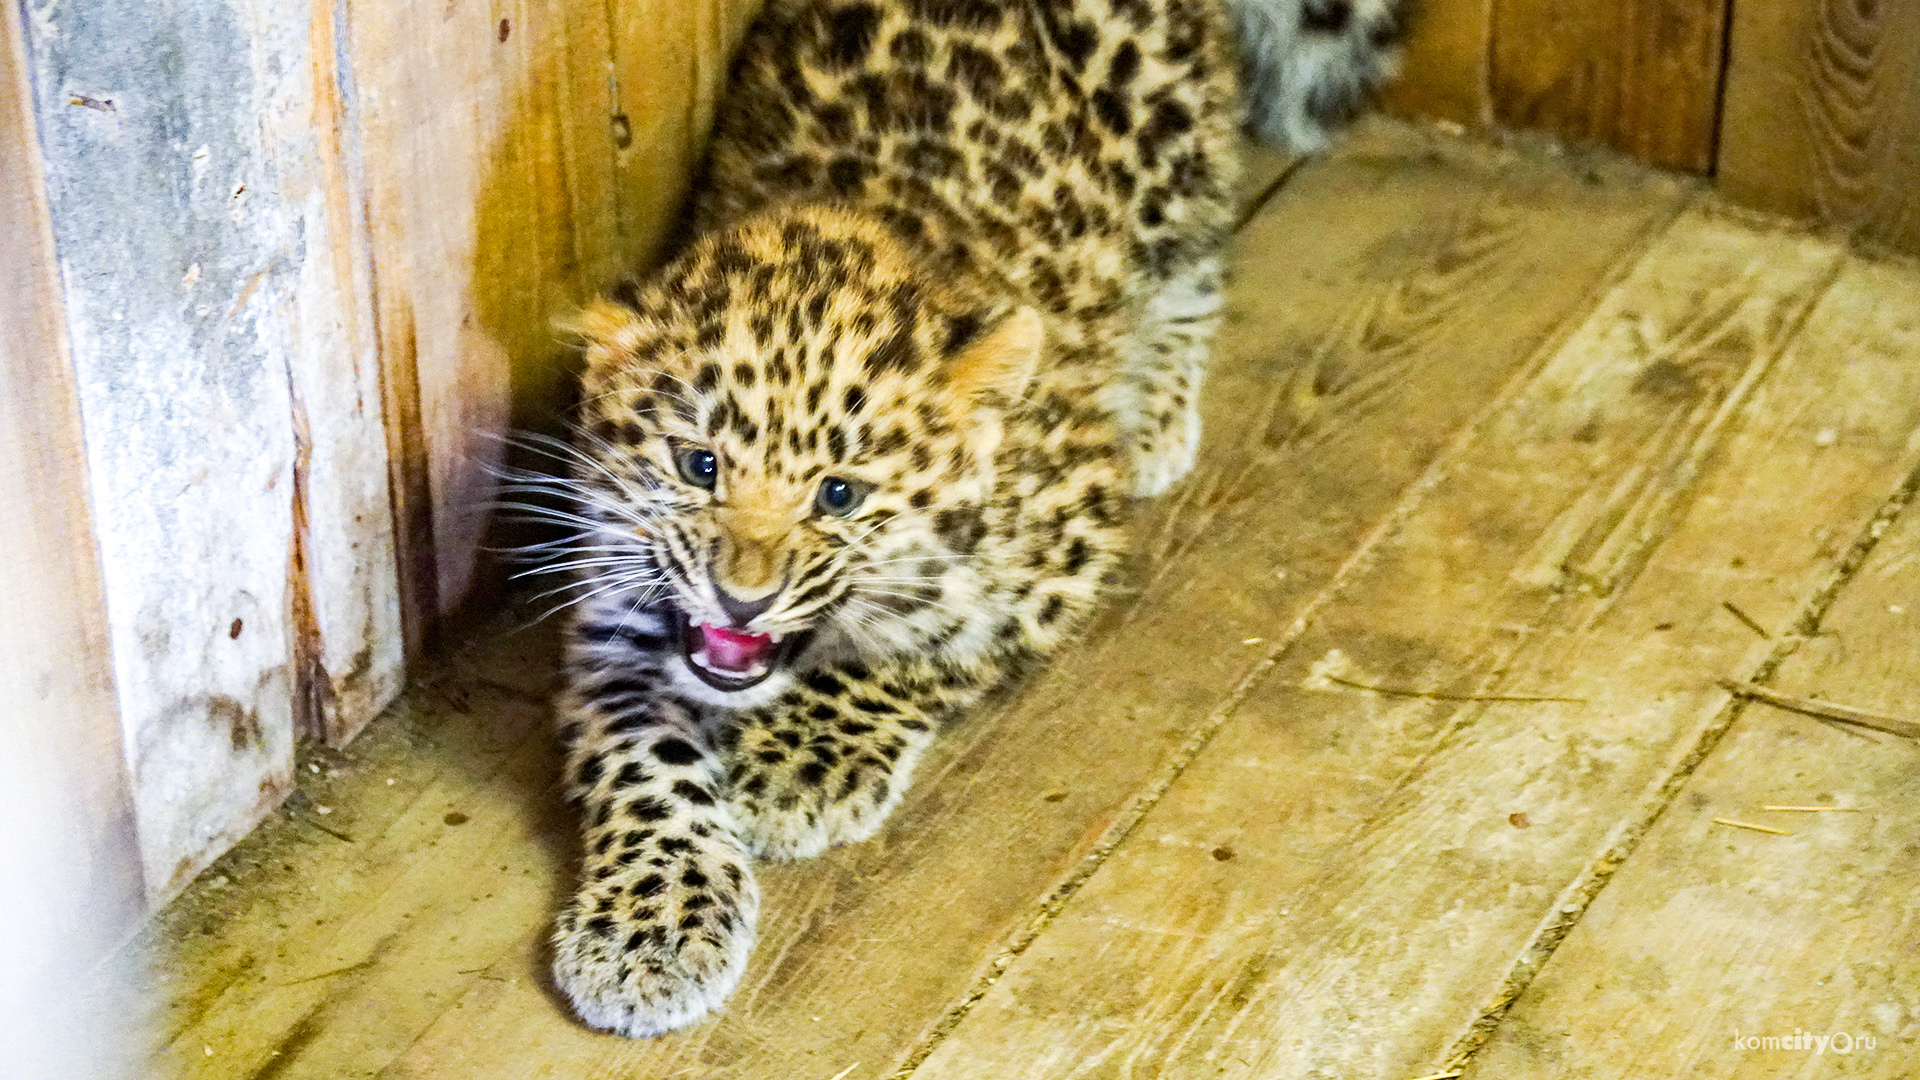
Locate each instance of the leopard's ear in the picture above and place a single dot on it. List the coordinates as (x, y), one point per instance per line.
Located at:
(601, 322)
(1001, 361)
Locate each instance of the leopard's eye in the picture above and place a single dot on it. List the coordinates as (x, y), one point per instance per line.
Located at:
(838, 497)
(698, 467)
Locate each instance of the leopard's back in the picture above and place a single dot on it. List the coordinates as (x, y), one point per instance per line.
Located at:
(1080, 155)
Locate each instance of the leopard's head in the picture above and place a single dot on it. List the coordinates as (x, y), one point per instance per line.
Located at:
(792, 431)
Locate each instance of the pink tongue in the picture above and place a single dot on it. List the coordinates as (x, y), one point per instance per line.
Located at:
(731, 650)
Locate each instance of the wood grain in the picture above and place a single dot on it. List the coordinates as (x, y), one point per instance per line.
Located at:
(1763, 935)
(66, 822)
(1337, 886)
(1641, 76)
(1822, 118)
(1004, 824)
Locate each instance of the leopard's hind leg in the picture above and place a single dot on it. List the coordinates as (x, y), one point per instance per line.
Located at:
(1162, 368)
(1310, 65)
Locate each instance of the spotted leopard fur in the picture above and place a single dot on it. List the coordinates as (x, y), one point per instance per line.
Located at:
(862, 452)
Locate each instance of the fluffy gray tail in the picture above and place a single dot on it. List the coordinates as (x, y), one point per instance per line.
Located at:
(1310, 65)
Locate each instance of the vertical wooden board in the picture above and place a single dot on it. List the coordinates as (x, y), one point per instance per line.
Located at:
(588, 145)
(1445, 73)
(1770, 935)
(1347, 273)
(72, 889)
(1641, 76)
(1352, 891)
(432, 119)
(347, 603)
(186, 216)
(457, 129)
(1822, 116)
(544, 192)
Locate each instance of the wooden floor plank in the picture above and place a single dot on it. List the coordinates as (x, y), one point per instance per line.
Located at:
(364, 873)
(1758, 934)
(1345, 879)
(1405, 281)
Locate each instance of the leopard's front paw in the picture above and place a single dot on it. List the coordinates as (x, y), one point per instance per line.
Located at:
(649, 949)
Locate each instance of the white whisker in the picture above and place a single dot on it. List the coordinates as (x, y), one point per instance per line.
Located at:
(867, 590)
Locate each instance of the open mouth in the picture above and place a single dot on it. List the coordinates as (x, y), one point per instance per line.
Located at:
(728, 659)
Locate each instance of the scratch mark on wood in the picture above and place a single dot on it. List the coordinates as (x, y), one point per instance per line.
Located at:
(246, 291)
(1436, 695)
(361, 966)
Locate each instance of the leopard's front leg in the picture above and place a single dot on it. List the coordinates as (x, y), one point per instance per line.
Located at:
(659, 931)
(828, 761)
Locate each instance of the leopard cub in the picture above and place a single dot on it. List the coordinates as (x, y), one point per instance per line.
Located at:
(862, 451)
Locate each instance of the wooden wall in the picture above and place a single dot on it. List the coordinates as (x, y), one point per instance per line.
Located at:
(303, 260)
(1807, 107)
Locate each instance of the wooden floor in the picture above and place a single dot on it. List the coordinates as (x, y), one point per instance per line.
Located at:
(1406, 753)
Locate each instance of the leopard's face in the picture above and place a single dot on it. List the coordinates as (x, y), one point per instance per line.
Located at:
(793, 445)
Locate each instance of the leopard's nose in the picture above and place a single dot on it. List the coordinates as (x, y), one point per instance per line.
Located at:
(742, 611)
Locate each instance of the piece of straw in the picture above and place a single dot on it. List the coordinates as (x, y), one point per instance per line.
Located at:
(1824, 710)
(1751, 825)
